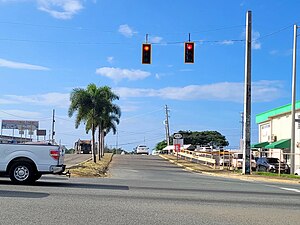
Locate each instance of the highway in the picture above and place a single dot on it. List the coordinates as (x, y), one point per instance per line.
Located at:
(149, 190)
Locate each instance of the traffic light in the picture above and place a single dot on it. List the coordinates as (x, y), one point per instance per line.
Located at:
(189, 52)
(146, 54)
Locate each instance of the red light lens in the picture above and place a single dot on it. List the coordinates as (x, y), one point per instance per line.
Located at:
(189, 46)
(146, 48)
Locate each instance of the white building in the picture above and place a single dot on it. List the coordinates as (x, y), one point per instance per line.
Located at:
(275, 133)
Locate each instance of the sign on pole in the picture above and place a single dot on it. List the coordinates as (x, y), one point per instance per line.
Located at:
(177, 147)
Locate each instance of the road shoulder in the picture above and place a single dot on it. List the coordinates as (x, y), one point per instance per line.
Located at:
(199, 168)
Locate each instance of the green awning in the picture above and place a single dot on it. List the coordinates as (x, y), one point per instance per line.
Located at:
(260, 145)
(283, 143)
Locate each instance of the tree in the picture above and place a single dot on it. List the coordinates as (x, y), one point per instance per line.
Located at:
(86, 103)
(161, 145)
(109, 117)
(204, 138)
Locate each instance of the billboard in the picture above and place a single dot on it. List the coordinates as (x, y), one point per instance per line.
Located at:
(20, 124)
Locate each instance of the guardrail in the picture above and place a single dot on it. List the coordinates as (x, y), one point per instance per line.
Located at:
(200, 157)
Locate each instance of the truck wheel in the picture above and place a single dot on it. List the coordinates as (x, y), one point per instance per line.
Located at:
(21, 173)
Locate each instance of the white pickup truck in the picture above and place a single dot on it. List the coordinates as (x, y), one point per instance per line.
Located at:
(26, 163)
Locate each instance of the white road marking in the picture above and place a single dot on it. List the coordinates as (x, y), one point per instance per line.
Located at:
(284, 188)
(290, 189)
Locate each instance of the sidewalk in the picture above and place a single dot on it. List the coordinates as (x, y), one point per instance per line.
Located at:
(200, 168)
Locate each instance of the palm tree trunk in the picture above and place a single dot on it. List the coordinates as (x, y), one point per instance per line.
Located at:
(93, 143)
(99, 143)
(102, 142)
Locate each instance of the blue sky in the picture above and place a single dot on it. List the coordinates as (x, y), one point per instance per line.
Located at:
(49, 47)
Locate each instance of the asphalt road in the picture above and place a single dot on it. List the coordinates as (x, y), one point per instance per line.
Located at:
(73, 159)
(149, 190)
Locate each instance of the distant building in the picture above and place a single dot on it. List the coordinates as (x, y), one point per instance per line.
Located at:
(10, 139)
(171, 148)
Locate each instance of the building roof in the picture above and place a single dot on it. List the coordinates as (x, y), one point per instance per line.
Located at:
(262, 117)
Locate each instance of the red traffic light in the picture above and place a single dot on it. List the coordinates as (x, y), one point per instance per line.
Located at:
(189, 52)
(146, 54)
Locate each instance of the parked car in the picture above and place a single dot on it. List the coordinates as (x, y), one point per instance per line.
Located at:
(297, 172)
(237, 161)
(269, 164)
(224, 160)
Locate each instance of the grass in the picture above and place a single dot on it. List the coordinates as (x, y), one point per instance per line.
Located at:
(268, 174)
(91, 169)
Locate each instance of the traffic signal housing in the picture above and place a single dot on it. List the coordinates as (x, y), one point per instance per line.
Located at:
(146, 54)
(189, 50)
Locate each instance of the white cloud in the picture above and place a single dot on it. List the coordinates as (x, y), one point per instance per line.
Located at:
(18, 65)
(255, 42)
(60, 9)
(126, 30)
(49, 99)
(156, 39)
(227, 42)
(110, 59)
(284, 53)
(13, 113)
(262, 91)
(118, 74)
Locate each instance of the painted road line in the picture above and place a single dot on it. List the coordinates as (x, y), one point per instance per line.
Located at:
(290, 189)
(284, 188)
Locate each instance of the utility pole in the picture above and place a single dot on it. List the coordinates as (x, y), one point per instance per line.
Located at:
(247, 98)
(53, 122)
(167, 126)
(242, 130)
(293, 102)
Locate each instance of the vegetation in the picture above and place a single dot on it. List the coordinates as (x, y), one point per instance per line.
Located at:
(204, 138)
(95, 108)
(70, 151)
(161, 145)
(269, 174)
(91, 169)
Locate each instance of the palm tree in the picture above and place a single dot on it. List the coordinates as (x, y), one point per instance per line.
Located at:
(86, 102)
(105, 115)
(109, 118)
(109, 122)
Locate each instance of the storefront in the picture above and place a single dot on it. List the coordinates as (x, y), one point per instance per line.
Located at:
(275, 133)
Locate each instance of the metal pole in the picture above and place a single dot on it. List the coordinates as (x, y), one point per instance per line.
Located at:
(247, 98)
(53, 121)
(167, 127)
(293, 102)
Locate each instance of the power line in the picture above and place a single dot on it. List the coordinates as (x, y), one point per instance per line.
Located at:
(40, 119)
